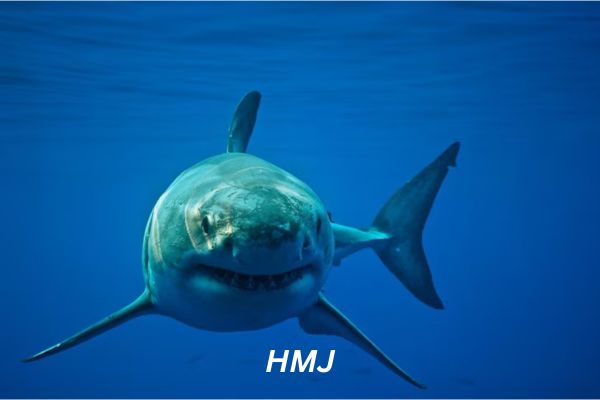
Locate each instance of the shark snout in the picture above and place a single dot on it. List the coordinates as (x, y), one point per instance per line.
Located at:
(263, 228)
(276, 246)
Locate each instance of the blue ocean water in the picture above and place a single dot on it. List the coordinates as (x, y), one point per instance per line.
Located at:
(103, 104)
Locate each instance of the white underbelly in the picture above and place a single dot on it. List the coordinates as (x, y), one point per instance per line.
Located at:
(206, 304)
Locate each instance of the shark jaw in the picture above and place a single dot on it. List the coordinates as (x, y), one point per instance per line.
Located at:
(255, 282)
(224, 300)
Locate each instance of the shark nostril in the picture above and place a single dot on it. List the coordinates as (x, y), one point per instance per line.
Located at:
(228, 243)
(306, 244)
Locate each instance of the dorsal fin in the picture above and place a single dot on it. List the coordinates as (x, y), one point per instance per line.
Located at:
(242, 123)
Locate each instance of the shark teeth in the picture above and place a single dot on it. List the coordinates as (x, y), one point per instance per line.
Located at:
(255, 282)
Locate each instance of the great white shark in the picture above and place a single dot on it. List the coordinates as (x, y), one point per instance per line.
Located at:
(236, 243)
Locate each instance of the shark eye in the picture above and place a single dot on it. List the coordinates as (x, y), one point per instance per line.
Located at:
(205, 224)
(319, 223)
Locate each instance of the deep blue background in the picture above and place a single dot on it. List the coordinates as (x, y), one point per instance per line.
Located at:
(102, 105)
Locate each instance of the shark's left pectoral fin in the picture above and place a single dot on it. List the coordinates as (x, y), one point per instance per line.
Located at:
(324, 319)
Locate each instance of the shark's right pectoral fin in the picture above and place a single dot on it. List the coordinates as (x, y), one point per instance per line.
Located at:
(324, 319)
(142, 305)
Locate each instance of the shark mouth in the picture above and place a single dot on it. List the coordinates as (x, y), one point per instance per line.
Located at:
(256, 282)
